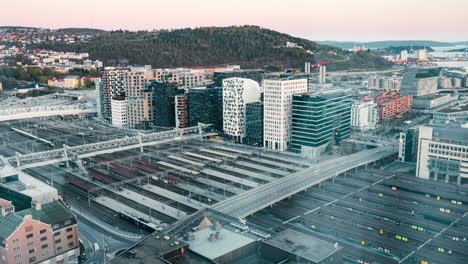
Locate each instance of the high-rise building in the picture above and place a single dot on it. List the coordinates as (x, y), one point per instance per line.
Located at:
(120, 111)
(113, 81)
(310, 78)
(164, 94)
(419, 82)
(237, 92)
(45, 233)
(254, 123)
(182, 111)
(364, 115)
(443, 154)
(319, 119)
(408, 146)
(278, 111)
(138, 105)
(206, 106)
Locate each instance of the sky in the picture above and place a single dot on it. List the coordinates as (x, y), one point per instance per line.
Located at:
(344, 20)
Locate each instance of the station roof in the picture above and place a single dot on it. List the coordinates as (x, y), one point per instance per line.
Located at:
(150, 250)
(228, 242)
(303, 245)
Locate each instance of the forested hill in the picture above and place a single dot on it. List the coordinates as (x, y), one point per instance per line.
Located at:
(249, 46)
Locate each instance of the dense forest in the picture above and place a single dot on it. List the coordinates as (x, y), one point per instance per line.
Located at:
(249, 46)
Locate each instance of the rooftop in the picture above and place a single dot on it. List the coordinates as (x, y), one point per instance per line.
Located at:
(454, 109)
(25, 183)
(228, 242)
(51, 213)
(150, 250)
(451, 133)
(303, 245)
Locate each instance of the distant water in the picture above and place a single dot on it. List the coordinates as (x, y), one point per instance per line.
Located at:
(443, 52)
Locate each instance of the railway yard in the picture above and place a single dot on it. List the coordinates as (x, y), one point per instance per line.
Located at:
(377, 216)
(380, 217)
(158, 186)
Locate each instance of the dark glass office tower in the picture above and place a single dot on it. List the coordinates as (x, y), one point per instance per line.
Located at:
(318, 119)
(164, 102)
(206, 106)
(254, 123)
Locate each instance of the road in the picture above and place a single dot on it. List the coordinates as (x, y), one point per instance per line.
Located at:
(254, 200)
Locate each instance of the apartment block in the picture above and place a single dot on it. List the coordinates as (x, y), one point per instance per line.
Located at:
(364, 115)
(46, 234)
(384, 84)
(392, 105)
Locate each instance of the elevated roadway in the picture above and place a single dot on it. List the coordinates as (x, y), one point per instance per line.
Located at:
(251, 201)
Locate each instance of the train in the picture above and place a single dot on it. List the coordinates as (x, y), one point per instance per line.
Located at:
(143, 224)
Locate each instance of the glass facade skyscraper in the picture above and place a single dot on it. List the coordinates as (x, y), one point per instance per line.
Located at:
(318, 119)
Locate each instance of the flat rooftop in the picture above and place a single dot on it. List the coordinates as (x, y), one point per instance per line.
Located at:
(228, 242)
(303, 245)
(26, 184)
(454, 109)
(150, 250)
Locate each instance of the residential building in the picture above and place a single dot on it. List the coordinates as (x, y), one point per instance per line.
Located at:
(392, 105)
(254, 123)
(182, 111)
(112, 84)
(418, 81)
(120, 112)
(319, 119)
(164, 94)
(364, 115)
(206, 106)
(138, 103)
(443, 154)
(185, 78)
(384, 84)
(45, 233)
(237, 92)
(72, 81)
(455, 114)
(278, 111)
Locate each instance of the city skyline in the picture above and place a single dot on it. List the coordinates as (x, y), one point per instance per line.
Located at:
(361, 20)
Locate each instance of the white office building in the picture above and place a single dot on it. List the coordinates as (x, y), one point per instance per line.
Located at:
(237, 92)
(364, 115)
(277, 111)
(443, 154)
(119, 112)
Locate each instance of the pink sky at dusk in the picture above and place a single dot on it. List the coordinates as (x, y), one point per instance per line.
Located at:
(361, 20)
